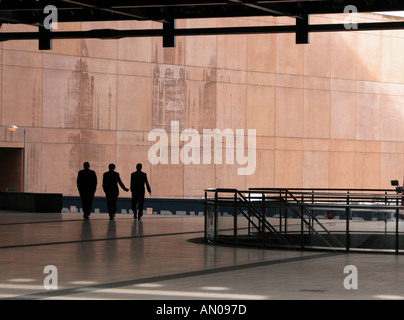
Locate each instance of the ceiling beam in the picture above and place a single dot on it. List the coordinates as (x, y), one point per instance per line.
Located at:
(117, 34)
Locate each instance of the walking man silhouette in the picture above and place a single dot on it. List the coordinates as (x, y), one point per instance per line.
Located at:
(138, 180)
(86, 184)
(110, 182)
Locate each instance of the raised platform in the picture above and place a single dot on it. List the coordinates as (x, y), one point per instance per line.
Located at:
(31, 202)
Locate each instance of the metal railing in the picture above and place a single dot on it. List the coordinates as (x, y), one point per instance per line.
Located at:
(333, 219)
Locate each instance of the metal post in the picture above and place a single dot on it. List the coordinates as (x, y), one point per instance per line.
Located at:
(205, 214)
(25, 161)
(215, 218)
(347, 235)
(235, 218)
(397, 221)
(301, 221)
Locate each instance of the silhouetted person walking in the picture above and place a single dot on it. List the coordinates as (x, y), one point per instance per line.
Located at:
(138, 180)
(110, 182)
(86, 184)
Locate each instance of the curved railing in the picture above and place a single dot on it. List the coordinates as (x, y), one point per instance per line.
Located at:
(332, 219)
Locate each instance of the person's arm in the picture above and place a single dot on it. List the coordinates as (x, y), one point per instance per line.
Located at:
(121, 184)
(147, 184)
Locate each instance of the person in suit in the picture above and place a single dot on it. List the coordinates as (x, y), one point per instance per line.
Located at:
(138, 180)
(110, 182)
(86, 184)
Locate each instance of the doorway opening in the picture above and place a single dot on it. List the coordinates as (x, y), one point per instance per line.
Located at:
(12, 169)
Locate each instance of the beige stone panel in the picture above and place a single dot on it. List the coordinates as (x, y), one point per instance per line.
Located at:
(231, 106)
(104, 137)
(392, 118)
(264, 175)
(57, 170)
(133, 68)
(316, 114)
(317, 55)
(288, 169)
(342, 145)
(367, 170)
(342, 115)
(99, 48)
(134, 103)
(201, 105)
(200, 74)
(367, 117)
(288, 144)
(261, 110)
(289, 81)
(391, 147)
(317, 83)
(232, 52)
(343, 55)
(227, 177)
(58, 135)
(22, 58)
(391, 168)
(367, 146)
(316, 144)
(61, 99)
(167, 180)
(261, 78)
(98, 101)
(201, 50)
(316, 170)
(133, 138)
(289, 112)
(369, 52)
(60, 62)
(368, 87)
(97, 65)
(261, 52)
(135, 49)
(392, 68)
(289, 56)
(392, 89)
(342, 170)
(197, 178)
(265, 143)
(35, 163)
(231, 76)
(22, 96)
(344, 85)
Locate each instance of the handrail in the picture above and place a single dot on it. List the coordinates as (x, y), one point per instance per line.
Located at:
(309, 199)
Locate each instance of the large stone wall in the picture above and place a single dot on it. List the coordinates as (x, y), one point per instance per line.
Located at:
(326, 114)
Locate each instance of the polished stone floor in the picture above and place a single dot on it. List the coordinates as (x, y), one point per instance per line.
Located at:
(62, 256)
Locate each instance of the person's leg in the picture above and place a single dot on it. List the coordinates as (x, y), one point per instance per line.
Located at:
(134, 202)
(141, 204)
(109, 204)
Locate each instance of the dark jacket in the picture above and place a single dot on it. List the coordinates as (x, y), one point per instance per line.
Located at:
(138, 180)
(86, 182)
(110, 182)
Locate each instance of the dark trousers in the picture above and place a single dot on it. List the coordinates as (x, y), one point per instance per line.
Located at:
(87, 203)
(111, 203)
(138, 198)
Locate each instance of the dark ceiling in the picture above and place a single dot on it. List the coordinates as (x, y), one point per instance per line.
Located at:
(32, 12)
